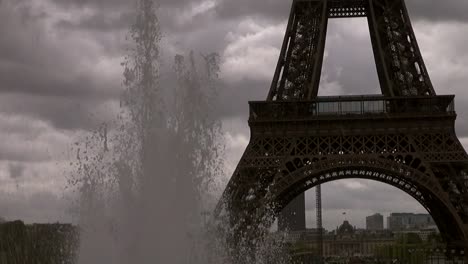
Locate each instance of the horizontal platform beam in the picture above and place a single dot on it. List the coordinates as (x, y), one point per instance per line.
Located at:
(351, 106)
(344, 8)
(338, 9)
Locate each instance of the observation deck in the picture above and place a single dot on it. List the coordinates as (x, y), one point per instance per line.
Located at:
(353, 107)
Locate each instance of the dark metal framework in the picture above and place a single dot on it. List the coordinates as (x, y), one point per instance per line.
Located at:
(400, 65)
(405, 138)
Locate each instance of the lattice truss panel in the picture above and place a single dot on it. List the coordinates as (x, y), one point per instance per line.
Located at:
(431, 166)
(349, 8)
(435, 147)
(400, 65)
(399, 60)
(302, 52)
(268, 159)
(453, 177)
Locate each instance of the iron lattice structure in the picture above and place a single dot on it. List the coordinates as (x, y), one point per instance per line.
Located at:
(318, 209)
(405, 137)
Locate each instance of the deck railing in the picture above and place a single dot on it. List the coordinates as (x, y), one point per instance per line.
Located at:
(351, 106)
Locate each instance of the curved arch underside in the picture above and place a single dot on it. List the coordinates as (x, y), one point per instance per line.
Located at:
(254, 208)
(408, 180)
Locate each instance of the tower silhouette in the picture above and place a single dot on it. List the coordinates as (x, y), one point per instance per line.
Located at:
(404, 137)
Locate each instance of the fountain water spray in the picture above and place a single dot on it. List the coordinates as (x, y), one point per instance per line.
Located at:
(145, 179)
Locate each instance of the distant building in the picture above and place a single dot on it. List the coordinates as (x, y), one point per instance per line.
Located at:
(423, 233)
(345, 241)
(409, 221)
(374, 222)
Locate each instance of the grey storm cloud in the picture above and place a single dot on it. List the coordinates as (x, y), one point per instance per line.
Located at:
(277, 9)
(108, 4)
(115, 4)
(116, 15)
(41, 207)
(62, 112)
(16, 170)
(234, 97)
(45, 78)
(100, 22)
(450, 10)
(350, 59)
(272, 9)
(41, 82)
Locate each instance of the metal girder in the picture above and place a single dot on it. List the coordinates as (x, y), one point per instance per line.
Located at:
(350, 8)
(405, 138)
(399, 63)
(295, 146)
(430, 165)
(298, 71)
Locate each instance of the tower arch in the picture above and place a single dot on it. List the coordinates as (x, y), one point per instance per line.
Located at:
(403, 177)
(404, 137)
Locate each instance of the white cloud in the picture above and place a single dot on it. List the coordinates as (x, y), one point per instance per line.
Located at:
(444, 49)
(235, 147)
(27, 139)
(251, 53)
(446, 54)
(329, 88)
(464, 142)
(196, 9)
(354, 185)
(37, 177)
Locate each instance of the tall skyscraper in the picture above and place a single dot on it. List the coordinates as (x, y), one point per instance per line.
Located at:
(374, 222)
(292, 217)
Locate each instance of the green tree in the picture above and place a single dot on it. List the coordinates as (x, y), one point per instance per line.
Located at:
(413, 238)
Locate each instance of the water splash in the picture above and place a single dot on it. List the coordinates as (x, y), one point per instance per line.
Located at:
(145, 179)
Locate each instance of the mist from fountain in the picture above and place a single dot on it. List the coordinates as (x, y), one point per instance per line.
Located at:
(147, 180)
(144, 180)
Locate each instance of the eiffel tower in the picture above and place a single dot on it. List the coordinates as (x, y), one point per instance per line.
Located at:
(404, 137)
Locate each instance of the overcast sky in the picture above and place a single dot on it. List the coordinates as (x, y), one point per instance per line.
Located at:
(60, 76)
